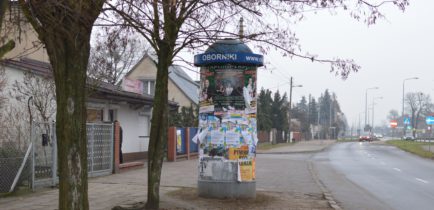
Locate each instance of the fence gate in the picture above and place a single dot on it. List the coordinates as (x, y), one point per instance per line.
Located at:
(44, 154)
(99, 149)
(100, 142)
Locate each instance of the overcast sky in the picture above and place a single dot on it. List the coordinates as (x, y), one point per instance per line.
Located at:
(398, 47)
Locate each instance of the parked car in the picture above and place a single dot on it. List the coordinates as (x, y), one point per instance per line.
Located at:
(378, 136)
(366, 136)
(408, 137)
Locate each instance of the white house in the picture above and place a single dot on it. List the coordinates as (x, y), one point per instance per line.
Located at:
(181, 88)
(106, 103)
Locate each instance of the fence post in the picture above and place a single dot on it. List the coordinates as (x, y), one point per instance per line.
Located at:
(171, 144)
(53, 153)
(32, 130)
(111, 143)
(91, 147)
(187, 142)
(116, 147)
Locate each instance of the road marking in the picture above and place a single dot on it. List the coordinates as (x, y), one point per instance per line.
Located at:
(421, 180)
(397, 169)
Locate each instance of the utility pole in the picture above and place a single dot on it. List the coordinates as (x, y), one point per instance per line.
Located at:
(308, 113)
(366, 105)
(290, 104)
(317, 125)
(330, 116)
(373, 104)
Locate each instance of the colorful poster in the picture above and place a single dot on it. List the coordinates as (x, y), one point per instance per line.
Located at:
(178, 141)
(245, 171)
(227, 118)
(232, 138)
(254, 168)
(217, 137)
(238, 153)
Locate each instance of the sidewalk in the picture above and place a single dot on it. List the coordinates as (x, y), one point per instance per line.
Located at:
(300, 147)
(283, 182)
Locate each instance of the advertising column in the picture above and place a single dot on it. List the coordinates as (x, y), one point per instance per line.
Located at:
(227, 121)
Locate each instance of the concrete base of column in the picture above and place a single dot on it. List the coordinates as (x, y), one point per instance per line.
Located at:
(226, 189)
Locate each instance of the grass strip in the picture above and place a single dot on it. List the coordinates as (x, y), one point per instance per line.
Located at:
(268, 145)
(414, 147)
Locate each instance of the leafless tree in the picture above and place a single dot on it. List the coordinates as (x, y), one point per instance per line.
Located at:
(65, 27)
(3, 82)
(6, 44)
(171, 26)
(393, 114)
(418, 104)
(13, 127)
(115, 51)
(42, 91)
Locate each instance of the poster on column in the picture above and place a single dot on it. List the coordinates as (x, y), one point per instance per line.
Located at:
(207, 91)
(227, 108)
(245, 171)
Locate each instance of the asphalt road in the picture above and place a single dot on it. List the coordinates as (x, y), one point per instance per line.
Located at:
(375, 176)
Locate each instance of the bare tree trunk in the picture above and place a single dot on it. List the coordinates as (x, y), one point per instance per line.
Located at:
(70, 77)
(65, 28)
(158, 137)
(10, 44)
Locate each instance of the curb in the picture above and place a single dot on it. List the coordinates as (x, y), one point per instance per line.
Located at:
(291, 152)
(296, 152)
(327, 195)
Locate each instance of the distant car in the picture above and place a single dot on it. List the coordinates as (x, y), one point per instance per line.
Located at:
(378, 136)
(408, 137)
(366, 137)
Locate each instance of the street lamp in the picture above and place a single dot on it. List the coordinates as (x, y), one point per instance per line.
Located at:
(358, 130)
(373, 104)
(403, 92)
(290, 104)
(366, 104)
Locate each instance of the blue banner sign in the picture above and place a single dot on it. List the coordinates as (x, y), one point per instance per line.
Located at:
(406, 121)
(223, 58)
(430, 120)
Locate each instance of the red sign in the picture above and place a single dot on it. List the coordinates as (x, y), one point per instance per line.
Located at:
(132, 85)
(393, 123)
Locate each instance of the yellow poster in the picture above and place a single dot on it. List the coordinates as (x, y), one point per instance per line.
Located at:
(246, 170)
(254, 168)
(238, 153)
(178, 141)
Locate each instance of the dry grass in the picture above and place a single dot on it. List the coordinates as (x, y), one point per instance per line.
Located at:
(267, 145)
(413, 147)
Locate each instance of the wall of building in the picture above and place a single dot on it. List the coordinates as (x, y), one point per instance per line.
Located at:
(136, 129)
(175, 94)
(135, 122)
(27, 43)
(146, 69)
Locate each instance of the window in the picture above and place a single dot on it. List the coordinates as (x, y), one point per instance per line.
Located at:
(112, 115)
(94, 115)
(148, 87)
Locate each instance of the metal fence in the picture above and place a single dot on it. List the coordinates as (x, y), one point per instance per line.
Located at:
(15, 168)
(44, 154)
(99, 149)
(34, 163)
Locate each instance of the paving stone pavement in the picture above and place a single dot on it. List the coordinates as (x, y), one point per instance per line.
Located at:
(284, 181)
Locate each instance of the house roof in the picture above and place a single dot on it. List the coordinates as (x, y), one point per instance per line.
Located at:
(178, 76)
(184, 83)
(98, 89)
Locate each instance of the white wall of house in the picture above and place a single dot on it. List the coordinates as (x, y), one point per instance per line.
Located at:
(135, 126)
(135, 121)
(147, 70)
(12, 75)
